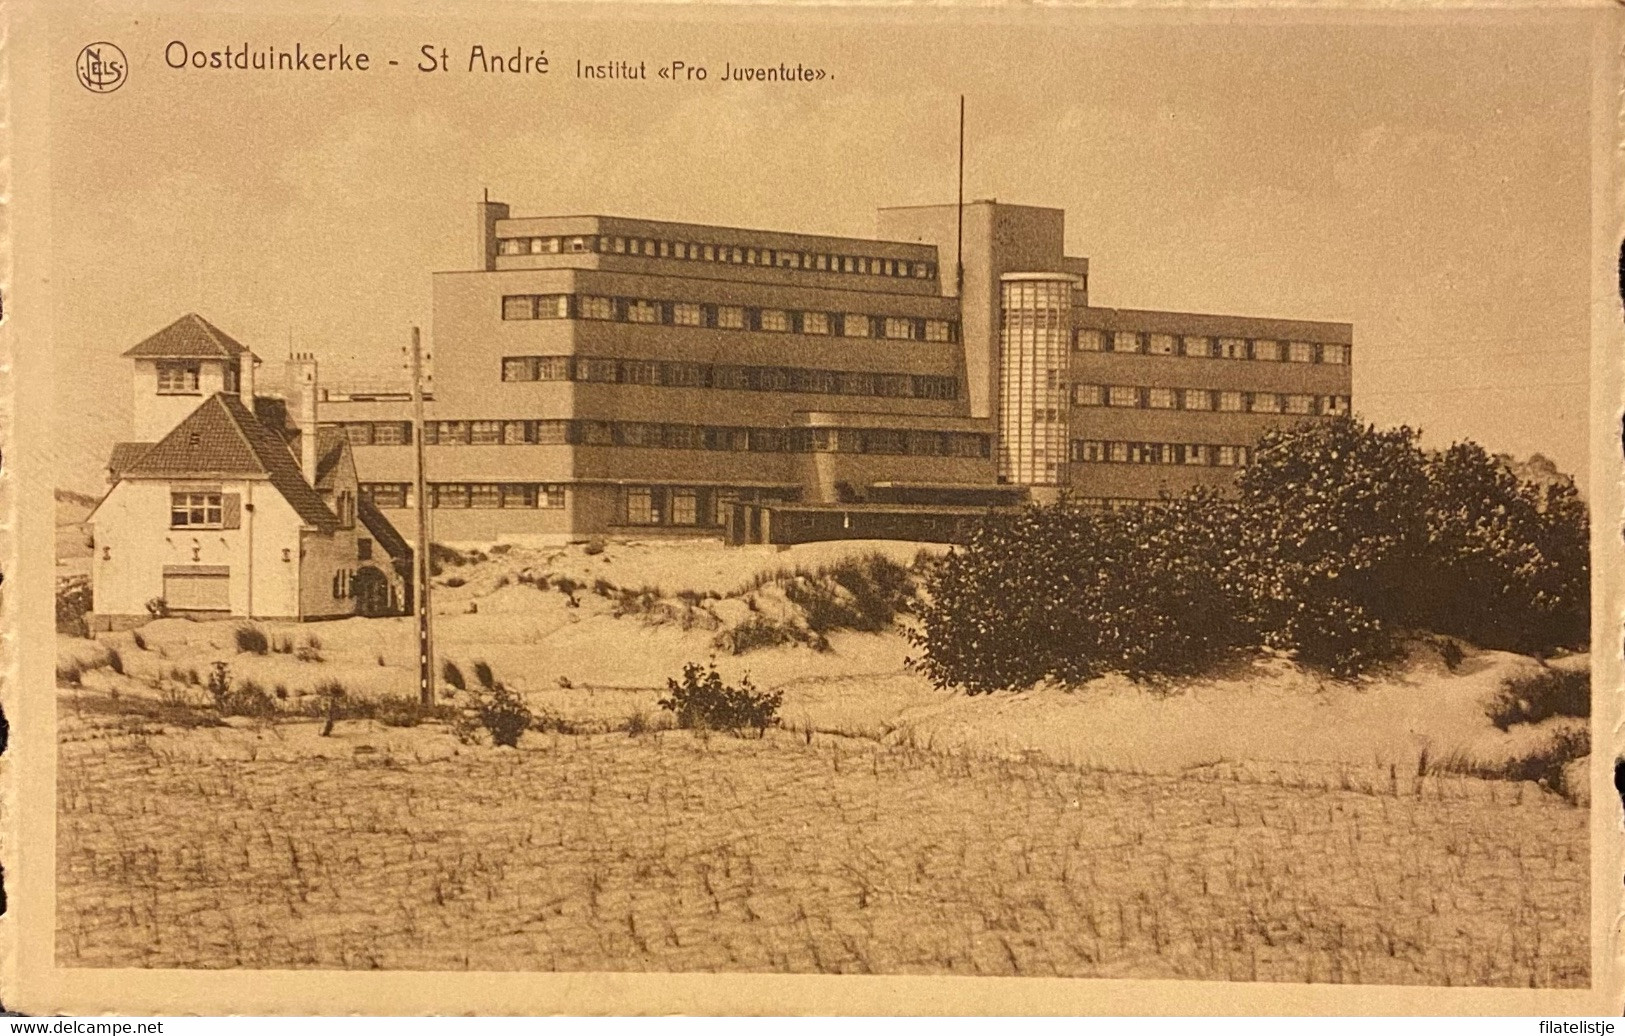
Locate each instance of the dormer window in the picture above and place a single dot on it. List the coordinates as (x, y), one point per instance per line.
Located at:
(177, 379)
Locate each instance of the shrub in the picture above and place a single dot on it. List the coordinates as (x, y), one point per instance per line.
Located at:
(310, 651)
(594, 546)
(497, 714)
(864, 594)
(399, 710)
(701, 701)
(1069, 593)
(219, 683)
(247, 698)
(158, 608)
(484, 677)
(1548, 693)
(759, 631)
(1341, 538)
(140, 641)
(115, 661)
(73, 603)
(251, 640)
(333, 697)
(454, 581)
(1545, 764)
(69, 674)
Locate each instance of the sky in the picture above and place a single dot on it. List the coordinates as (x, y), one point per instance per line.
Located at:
(1429, 184)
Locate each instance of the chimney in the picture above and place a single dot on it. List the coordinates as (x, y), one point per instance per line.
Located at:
(302, 409)
(245, 378)
(490, 212)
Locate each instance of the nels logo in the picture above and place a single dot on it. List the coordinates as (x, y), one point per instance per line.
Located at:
(101, 68)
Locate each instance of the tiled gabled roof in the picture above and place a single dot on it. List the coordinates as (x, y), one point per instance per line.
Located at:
(331, 445)
(190, 337)
(125, 454)
(222, 439)
(383, 530)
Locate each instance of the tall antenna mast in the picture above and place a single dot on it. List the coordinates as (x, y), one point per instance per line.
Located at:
(959, 233)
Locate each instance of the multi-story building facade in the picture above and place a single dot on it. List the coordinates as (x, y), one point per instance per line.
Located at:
(607, 376)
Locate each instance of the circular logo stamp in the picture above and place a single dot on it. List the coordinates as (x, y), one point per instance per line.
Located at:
(102, 68)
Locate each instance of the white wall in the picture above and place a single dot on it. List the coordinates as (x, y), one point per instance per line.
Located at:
(156, 416)
(134, 542)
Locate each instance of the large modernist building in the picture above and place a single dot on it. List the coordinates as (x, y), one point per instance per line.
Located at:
(601, 376)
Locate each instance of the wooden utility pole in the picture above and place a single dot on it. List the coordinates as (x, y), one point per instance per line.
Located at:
(959, 228)
(422, 566)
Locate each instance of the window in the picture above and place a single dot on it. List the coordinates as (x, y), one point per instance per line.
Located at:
(551, 433)
(1334, 354)
(1125, 342)
(1123, 396)
(1300, 352)
(639, 311)
(1194, 454)
(552, 368)
(177, 379)
(596, 369)
(1299, 404)
(517, 433)
(1232, 348)
(1266, 403)
(1162, 345)
(1229, 456)
(454, 432)
(855, 325)
(1161, 399)
(683, 375)
(1088, 395)
(939, 331)
(815, 323)
(391, 433)
(774, 320)
(1231, 402)
(731, 317)
(885, 440)
(344, 507)
(857, 383)
(898, 327)
(1088, 452)
(449, 495)
(485, 433)
(1198, 399)
(640, 506)
(1089, 340)
(1197, 345)
(933, 387)
(359, 433)
(597, 307)
(1118, 452)
(385, 494)
(363, 549)
(518, 307)
(1266, 349)
(685, 507)
(484, 495)
(550, 496)
(688, 314)
(519, 368)
(1334, 405)
(195, 510)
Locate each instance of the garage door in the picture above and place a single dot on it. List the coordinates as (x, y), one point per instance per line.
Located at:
(197, 588)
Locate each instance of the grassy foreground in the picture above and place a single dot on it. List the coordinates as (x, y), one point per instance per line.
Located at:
(801, 852)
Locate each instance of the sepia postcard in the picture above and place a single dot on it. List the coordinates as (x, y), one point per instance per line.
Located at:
(809, 509)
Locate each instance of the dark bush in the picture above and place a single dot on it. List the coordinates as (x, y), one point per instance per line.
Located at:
(864, 594)
(1341, 540)
(701, 701)
(1069, 593)
(115, 661)
(1548, 693)
(497, 714)
(73, 603)
(484, 676)
(251, 640)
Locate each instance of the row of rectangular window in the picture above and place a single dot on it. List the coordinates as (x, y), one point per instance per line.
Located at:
(738, 255)
(523, 495)
(1222, 400)
(1266, 349)
(726, 317)
(1090, 451)
(676, 437)
(669, 505)
(674, 374)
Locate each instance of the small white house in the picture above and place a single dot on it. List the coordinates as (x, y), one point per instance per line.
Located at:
(243, 506)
